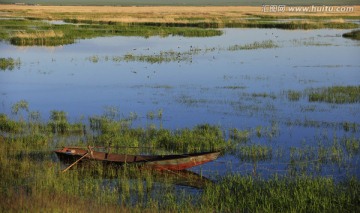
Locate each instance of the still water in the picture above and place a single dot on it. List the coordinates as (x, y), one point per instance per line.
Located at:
(243, 89)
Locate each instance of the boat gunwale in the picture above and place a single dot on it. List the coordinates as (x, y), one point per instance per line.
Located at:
(147, 158)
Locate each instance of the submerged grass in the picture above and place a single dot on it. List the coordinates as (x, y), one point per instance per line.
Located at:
(9, 63)
(255, 153)
(336, 94)
(293, 95)
(268, 44)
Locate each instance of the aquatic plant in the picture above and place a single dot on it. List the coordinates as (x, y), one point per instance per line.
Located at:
(233, 87)
(35, 32)
(247, 194)
(355, 34)
(8, 125)
(58, 122)
(19, 106)
(293, 95)
(254, 153)
(241, 136)
(351, 144)
(268, 44)
(263, 95)
(9, 63)
(336, 94)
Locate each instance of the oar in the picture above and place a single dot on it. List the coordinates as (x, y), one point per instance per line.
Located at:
(75, 162)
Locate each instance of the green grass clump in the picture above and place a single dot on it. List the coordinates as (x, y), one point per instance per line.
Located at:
(236, 193)
(355, 34)
(168, 56)
(9, 63)
(239, 135)
(268, 44)
(263, 95)
(336, 94)
(233, 87)
(293, 95)
(8, 125)
(158, 58)
(255, 153)
(351, 144)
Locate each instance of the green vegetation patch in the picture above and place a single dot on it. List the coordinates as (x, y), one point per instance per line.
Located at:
(24, 32)
(163, 56)
(336, 94)
(268, 44)
(355, 34)
(255, 153)
(293, 95)
(236, 193)
(9, 63)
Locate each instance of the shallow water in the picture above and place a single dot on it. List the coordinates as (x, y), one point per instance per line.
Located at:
(215, 86)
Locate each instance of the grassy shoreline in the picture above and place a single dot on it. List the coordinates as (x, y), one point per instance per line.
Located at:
(83, 22)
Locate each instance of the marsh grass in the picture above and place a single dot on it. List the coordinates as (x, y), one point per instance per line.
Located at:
(156, 58)
(351, 145)
(239, 136)
(336, 94)
(233, 87)
(268, 44)
(163, 56)
(309, 42)
(263, 95)
(255, 153)
(355, 34)
(35, 32)
(31, 179)
(334, 152)
(84, 25)
(247, 194)
(30, 173)
(293, 95)
(9, 63)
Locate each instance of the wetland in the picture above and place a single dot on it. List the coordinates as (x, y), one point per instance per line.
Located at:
(280, 99)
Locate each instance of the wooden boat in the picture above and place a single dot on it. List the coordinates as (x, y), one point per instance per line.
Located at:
(156, 162)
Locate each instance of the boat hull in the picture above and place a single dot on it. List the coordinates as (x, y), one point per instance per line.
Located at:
(156, 162)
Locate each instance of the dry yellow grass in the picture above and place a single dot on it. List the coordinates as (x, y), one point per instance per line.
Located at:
(39, 34)
(169, 14)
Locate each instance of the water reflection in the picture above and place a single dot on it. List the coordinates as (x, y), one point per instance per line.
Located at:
(179, 178)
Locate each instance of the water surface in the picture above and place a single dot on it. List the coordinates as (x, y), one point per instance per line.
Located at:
(215, 86)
